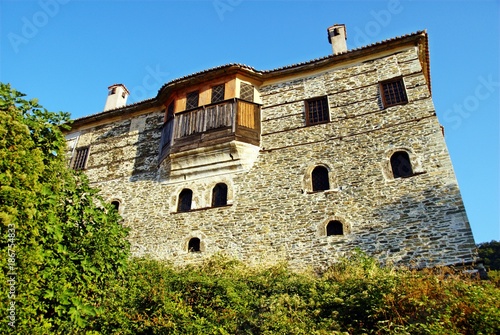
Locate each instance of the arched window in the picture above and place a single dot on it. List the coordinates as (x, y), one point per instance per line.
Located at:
(334, 228)
(319, 178)
(194, 245)
(115, 204)
(185, 199)
(219, 195)
(401, 165)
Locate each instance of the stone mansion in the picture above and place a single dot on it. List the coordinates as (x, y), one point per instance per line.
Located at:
(302, 163)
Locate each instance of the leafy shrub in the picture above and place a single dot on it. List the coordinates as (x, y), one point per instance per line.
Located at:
(355, 296)
(62, 248)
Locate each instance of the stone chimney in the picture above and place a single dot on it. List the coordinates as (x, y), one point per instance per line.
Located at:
(337, 37)
(117, 97)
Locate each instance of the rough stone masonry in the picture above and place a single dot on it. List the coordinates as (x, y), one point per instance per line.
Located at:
(271, 209)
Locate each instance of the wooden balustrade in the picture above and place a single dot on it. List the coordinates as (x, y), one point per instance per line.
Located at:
(232, 119)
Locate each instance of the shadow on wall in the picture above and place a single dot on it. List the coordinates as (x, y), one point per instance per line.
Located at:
(422, 229)
(147, 147)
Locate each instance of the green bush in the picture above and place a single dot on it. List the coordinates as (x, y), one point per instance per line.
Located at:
(356, 296)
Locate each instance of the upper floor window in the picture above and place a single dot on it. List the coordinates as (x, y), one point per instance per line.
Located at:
(170, 111)
(334, 228)
(319, 177)
(80, 158)
(317, 111)
(393, 92)
(185, 199)
(246, 92)
(401, 165)
(218, 93)
(192, 100)
(219, 195)
(112, 91)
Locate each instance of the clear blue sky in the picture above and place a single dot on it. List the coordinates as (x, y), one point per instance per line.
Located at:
(67, 52)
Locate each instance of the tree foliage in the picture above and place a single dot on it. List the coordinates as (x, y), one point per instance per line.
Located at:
(62, 247)
(489, 252)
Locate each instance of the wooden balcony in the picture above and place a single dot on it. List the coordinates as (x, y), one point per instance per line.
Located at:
(212, 124)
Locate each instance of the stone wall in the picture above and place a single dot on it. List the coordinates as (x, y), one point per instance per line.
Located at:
(272, 213)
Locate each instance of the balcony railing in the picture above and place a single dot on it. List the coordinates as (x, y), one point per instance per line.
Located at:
(228, 120)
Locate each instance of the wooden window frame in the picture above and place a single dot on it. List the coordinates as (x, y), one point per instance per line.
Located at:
(243, 90)
(393, 92)
(170, 111)
(80, 158)
(311, 112)
(216, 92)
(190, 100)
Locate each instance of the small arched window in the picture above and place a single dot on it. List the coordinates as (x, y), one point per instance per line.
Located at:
(401, 165)
(319, 177)
(115, 204)
(219, 195)
(185, 199)
(334, 228)
(194, 245)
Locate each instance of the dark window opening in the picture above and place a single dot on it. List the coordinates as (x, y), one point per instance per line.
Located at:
(317, 111)
(112, 91)
(246, 92)
(393, 92)
(334, 228)
(80, 158)
(192, 100)
(194, 245)
(115, 204)
(218, 93)
(401, 165)
(320, 181)
(219, 195)
(185, 199)
(123, 95)
(170, 111)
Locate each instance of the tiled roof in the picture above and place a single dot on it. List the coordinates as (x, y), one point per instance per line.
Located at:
(344, 52)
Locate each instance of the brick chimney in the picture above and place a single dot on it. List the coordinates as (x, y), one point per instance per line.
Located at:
(337, 37)
(117, 97)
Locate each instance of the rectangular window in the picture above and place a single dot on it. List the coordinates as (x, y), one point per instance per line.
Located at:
(80, 159)
(246, 92)
(393, 92)
(192, 100)
(317, 111)
(170, 111)
(218, 93)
